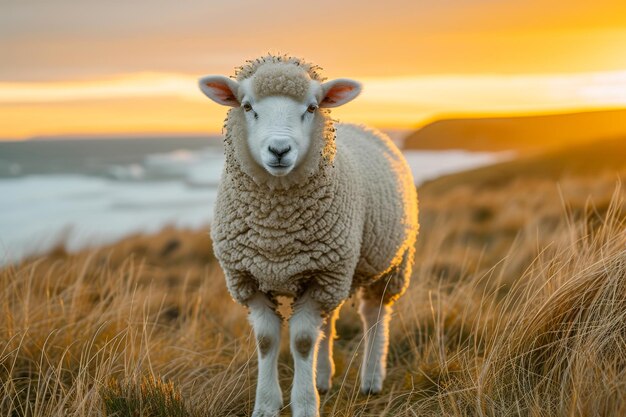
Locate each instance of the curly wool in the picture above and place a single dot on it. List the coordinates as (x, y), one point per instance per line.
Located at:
(346, 218)
(251, 66)
(281, 79)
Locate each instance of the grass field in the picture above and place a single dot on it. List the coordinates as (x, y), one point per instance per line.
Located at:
(517, 307)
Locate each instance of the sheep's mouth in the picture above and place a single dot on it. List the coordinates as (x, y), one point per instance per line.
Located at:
(279, 165)
(278, 169)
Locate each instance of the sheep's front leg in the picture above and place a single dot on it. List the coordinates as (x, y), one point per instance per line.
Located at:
(266, 324)
(375, 316)
(325, 364)
(304, 328)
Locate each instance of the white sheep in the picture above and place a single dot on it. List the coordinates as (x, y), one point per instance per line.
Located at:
(310, 209)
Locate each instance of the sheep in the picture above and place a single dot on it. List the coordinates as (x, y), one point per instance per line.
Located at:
(310, 209)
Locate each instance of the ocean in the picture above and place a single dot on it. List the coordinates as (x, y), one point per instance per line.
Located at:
(85, 193)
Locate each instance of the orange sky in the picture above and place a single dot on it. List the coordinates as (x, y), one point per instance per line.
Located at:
(94, 67)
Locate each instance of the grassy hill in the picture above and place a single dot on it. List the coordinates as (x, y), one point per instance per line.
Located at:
(516, 308)
(518, 133)
(588, 159)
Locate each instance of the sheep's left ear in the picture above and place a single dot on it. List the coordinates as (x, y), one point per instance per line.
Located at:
(220, 89)
(339, 92)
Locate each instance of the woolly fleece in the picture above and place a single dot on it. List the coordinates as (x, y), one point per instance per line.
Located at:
(345, 218)
(281, 79)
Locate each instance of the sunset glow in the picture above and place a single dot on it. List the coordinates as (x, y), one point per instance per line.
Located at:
(171, 103)
(96, 68)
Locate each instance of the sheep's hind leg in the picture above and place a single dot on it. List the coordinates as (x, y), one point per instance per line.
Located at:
(375, 309)
(266, 324)
(304, 328)
(375, 315)
(325, 364)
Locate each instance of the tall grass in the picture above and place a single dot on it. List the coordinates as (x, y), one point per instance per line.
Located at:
(517, 307)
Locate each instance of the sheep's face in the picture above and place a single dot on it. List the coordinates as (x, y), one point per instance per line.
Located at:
(280, 105)
(279, 129)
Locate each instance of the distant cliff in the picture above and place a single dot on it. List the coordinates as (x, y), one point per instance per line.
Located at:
(518, 133)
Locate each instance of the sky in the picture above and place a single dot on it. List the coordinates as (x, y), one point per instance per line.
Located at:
(130, 67)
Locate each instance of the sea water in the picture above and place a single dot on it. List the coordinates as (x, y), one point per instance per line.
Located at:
(84, 193)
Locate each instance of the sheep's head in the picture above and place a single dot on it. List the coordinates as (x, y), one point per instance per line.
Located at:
(281, 104)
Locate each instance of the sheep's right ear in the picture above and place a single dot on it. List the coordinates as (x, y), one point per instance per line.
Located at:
(339, 92)
(220, 89)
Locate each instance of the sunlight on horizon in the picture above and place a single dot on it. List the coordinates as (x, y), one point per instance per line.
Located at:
(171, 103)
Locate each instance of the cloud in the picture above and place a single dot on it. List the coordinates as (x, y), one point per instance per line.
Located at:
(169, 102)
(65, 39)
(468, 92)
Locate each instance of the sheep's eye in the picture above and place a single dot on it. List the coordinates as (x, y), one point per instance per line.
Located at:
(311, 108)
(247, 106)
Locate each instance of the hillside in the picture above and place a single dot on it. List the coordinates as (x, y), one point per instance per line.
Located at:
(518, 133)
(588, 159)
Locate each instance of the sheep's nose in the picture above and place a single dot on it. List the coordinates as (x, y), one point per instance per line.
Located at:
(279, 152)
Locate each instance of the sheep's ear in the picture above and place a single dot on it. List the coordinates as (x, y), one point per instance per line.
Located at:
(339, 92)
(220, 89)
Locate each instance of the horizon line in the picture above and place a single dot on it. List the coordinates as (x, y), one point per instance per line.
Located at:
(444, 116)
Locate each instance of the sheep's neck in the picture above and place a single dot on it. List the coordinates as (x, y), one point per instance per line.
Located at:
(296, 207)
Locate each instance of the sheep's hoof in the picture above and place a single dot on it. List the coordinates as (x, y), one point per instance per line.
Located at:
(323, 387)
(371, 388)
(265, 413)
(370, 391)
(268, 402)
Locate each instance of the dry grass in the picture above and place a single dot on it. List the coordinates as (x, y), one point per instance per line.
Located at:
(517, 307)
